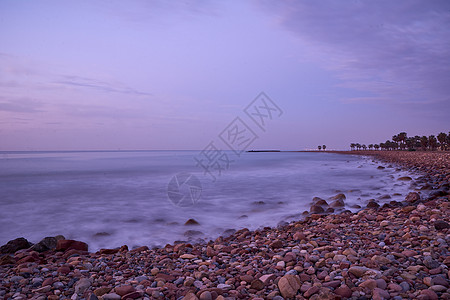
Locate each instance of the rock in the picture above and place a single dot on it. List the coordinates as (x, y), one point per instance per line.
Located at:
(430, 263)
(373, 204)
(289, 285)
(133, 295)
(47, 243)
(124, 289)
(338, 203)
(65, 269)
(82, 285)
(358, 271)
(102, 291)
(108, 251)
(441, 225)
(257, 284)
(190, 296)
(276, 244)
(412, 197)
(206, 295)
(439, 280)
(267, 278)
(139, 249)
(438, 288)
(343, 291)
(428, 295)
(316, 209)
(191, 222)
(224, 286)
(7, 260)
(380, 294)
(188, 256)
(111, 296)
(369, 284)
(15, 245)
(338, 197)
(404, 178)
(298, 236)
(311, 291)
(64, 245)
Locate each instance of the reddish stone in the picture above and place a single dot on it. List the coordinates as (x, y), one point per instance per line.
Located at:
(140, 249)
(7, 260)
(64, 245)
(343, 291)
(132, 295)
(108, 251)
(124, 290)
(64, 270)
(276, 244)
(48, 281)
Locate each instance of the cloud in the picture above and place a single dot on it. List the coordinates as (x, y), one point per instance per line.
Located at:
(21, 105)
(397, 51)
(102, 86)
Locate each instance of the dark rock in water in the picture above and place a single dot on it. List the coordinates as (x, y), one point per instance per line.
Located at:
(316, 209)
(338, 203)
(15, 245)
(440, 225)
(384, 197)
(381, 168)
(329, 210)
(321, 202)
(191, 222)
(404, 178)
(228, 232)
(338, 197)
(47, 243)
(243, 217)
(373, 204)
(191, 233)
(259, 202)
(412, 197)
(64, 245)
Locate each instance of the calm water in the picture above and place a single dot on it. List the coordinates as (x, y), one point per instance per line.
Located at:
(109, 199)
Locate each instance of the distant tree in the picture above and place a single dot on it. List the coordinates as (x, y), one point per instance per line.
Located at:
(364, 146)
(417, 143)
(324, 147)
(424, 143)
(402, 136)
(376, 146)
(383, 146)
(395, 140)
(358, 146)
(319, 147)
(370, 146)
(432, 142)
(442, 138)
(352, 146)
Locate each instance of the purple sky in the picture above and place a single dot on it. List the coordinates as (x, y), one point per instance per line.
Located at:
(90, 75)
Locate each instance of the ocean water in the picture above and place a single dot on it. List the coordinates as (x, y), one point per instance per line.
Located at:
(109, 199)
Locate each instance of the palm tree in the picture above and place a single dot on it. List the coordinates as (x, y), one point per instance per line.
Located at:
(442, 138)
(364, 146)
(324, 147)
(395, 139)
(376, 146)
(352, 146)
(358, 146)
(424, 143)
(370, 146)
(402, 139)
(432, 142)
(319, 147)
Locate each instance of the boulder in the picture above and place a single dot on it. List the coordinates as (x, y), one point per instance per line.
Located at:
(64, 245)
(15, 245)
(289, 285)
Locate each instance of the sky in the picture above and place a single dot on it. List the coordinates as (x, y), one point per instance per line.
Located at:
(138, 75)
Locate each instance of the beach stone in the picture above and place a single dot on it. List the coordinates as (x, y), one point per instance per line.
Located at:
(316, 209)
(47, 243)
(369, 284)
(188, 256)
(111, 296)
(206, 295)
(358, 271)
(311, 291)
(101, 291)
(190, 296)
(15, 245)
(428, 295)
(441, 225)
(289, 285)
(343, 291)
(276, 244)
(64, 270)
(372, 204)
(64, 245)
(257, 284)
(133, 295)
(439, 280)
(380, 294)
(438, 288)
(338, 197)
(224, 286)
(404, 178)
(267, 278)
(412, 197)
(124, 289)
(82, 285)
(139, 249)
(7, 260)
(430, 263)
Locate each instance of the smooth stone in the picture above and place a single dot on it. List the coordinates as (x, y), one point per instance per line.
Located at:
(289, 285)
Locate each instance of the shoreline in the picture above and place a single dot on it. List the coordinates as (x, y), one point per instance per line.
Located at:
(322, 257)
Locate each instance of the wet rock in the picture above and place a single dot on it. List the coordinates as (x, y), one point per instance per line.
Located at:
(124, 289)
(358, 271)
(404, 178)
(15, 245)
(373, 204)
(337, 203)
(47, 243)
(82, 285)
(428, 295)
(191, 222)
(64, 245)
(338, 197)
(412, 197)
(343, 291)
(316, 209)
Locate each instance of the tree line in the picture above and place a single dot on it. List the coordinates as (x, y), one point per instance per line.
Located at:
(401, 141)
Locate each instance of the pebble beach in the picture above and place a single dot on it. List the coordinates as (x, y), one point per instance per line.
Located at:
(397, 250)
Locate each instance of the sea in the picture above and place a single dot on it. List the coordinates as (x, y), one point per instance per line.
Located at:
(113, 198)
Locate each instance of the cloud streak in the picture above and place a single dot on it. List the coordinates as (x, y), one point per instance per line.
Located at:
(399, 51)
